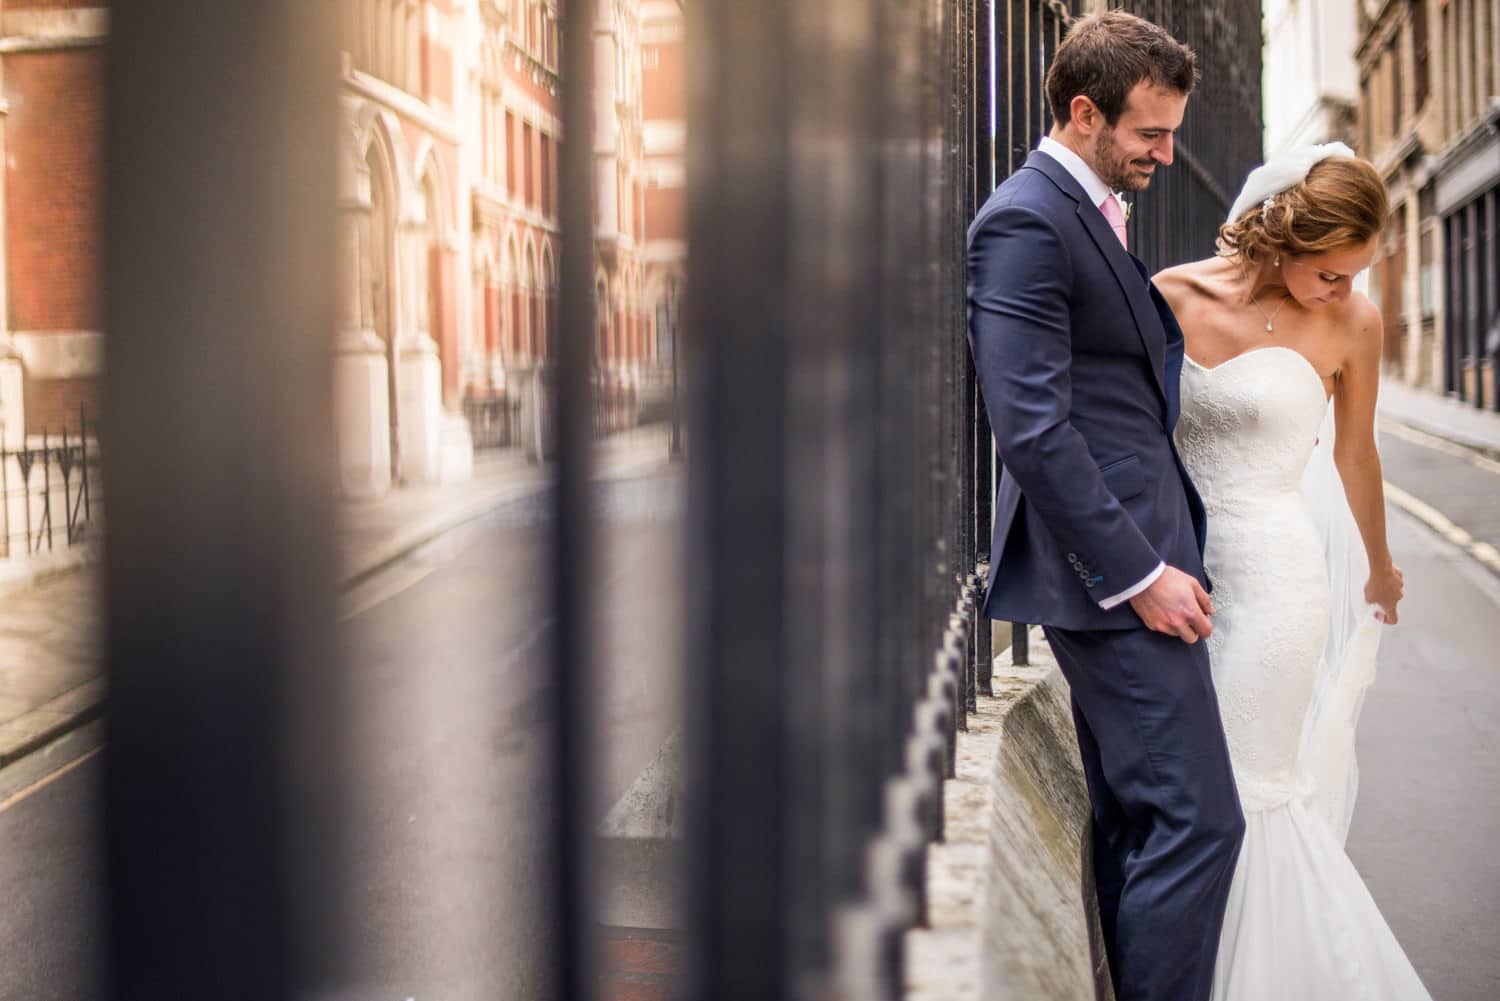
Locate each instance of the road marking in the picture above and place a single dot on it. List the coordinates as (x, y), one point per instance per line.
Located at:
(1408, 433)
(1482, 552)
(40, 784)
(383, 588)
(1485, 582)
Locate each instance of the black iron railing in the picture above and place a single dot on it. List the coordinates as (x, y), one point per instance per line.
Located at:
(839, 494)
(494, 422)
(49, 489)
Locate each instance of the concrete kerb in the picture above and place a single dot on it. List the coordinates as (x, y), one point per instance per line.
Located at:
(1441, 417)
(18, 575)
(1011, 891)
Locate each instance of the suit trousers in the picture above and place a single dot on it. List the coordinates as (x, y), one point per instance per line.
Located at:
(1167, 823)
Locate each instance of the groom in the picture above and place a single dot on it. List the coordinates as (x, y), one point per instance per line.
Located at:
(1098, 531)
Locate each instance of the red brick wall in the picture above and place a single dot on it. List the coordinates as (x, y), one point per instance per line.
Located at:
(437, 69)
(52, 190)
(641, 965)
(665, 218)
(662, 95)
(52, 404)
(522, 82)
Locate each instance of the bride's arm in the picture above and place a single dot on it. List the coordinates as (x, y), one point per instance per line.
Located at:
(1355, 454)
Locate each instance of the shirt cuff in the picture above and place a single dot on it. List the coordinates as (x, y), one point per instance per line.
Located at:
(1130, 592)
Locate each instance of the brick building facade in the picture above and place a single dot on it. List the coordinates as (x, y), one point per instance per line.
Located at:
(1428, 119)
(51, 346)
(451, 139)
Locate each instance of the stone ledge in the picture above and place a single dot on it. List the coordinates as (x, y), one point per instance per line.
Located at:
(1010, 896)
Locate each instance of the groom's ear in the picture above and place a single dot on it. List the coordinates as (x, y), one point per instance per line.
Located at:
(1085, 115)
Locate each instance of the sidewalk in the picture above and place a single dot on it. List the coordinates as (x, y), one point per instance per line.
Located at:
(1438, 415)
(51, 678)
(1442, 466)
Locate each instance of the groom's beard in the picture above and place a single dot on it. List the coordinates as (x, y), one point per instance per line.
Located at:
(1115, 168)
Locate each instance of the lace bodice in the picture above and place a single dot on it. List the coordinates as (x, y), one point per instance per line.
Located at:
(1246, 432)
(1248, 425)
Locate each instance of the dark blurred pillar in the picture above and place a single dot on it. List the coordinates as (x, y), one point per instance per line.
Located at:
(219, 280)
(740, 83)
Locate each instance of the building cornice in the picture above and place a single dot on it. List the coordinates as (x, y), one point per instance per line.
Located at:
(1469, 164)
(1398, 152)
(52, 30)
(1382, 25)
(402, 103)
(541, 74)
(1479, 133)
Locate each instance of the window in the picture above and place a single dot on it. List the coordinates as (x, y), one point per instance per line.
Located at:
(528, 196)
(1421, 62)
(1395, 57)
(510, 154)
(1366, 117)
(546, 176)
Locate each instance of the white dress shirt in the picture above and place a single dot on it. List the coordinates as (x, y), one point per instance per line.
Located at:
(1097, 191)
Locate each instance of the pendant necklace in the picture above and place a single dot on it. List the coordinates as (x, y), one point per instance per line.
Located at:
(1268, 317)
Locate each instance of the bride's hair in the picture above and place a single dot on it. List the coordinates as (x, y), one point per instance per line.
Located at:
(1342, 203)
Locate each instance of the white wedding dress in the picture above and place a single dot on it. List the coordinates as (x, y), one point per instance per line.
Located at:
(1300, 923)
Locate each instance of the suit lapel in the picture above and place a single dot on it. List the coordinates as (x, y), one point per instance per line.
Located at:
(1132, 285)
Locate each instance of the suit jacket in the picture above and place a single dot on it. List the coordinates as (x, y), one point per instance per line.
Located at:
(1078, 357)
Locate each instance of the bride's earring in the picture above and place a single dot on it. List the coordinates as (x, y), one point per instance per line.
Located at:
(1278, 261)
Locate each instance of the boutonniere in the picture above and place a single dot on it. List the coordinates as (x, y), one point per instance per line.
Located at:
(1125, 206)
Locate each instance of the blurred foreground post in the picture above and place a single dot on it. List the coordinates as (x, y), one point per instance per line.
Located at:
(219, 301)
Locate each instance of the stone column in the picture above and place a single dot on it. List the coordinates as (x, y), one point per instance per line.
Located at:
(361, 395)
(12, 403)
(419, 386)
(456, 446)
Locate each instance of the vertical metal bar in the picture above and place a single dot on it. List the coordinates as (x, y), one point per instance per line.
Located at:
(83, 441)
(46, 488)
(5, 457)
(1019, 82)
(1471, 298)
(571, 946)
(1020, 644)
(221, 119)
(833, 343)
(1489, 297)
(981, 490)
(63, 459)
(899, 585)
(738, 197)
(26, 466)
(1453, 335)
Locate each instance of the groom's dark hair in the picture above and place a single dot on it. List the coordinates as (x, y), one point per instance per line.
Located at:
(1105, 55)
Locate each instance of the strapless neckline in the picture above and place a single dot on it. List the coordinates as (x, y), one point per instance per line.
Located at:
(1306, 365)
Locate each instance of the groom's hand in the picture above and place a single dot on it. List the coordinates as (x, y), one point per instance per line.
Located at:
(1177, 605)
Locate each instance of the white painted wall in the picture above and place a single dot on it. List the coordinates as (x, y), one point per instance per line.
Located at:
(1309, 56)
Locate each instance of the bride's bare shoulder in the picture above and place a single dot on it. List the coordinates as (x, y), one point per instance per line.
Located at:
(1360, 318)
(1357, 324)
(1186, 283)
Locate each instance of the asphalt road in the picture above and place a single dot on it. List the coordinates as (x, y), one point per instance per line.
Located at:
(447, 732)
(1428, 816)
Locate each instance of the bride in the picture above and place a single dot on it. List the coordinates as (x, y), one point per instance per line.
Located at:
(1281, 351)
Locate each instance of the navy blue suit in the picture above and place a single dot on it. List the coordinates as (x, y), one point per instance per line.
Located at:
(1078, 357)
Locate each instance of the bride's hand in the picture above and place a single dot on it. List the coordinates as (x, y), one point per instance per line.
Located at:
(1384, 589)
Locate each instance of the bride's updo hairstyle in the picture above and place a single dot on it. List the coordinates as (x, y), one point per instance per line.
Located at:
(1341, 204)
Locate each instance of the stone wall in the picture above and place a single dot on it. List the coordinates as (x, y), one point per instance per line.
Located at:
(1013, 915)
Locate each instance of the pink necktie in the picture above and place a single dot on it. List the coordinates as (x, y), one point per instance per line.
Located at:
(1116, 219)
